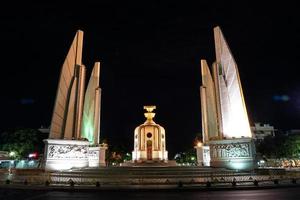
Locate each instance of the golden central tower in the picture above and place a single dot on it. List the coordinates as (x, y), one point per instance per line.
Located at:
(149, 140)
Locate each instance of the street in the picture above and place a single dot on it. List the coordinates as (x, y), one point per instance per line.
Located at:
(265, 194)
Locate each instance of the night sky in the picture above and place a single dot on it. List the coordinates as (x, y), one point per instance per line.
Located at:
(150, 54)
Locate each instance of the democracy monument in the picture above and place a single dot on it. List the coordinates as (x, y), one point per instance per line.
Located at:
(226, 131)
(75, 128)
(73, 154)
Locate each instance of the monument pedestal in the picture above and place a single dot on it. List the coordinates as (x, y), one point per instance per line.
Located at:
(233, 153)
(65, 154)
(97, 156)
(203, 156)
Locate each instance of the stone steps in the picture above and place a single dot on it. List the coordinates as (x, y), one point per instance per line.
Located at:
(131, 174)
(138, 175)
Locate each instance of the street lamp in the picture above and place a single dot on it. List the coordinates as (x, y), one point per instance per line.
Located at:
(199, 144)
(12, 154)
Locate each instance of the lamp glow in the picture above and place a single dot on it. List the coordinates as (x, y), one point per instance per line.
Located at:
(199, 144)
(12, 154)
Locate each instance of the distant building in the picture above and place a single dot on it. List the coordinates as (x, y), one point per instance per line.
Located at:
(260, 131)
(4, 155)
(293, 132)
(45, 130)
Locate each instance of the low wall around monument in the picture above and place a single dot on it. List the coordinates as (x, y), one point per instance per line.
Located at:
(236, 154)
(97, 156)
(65, 154)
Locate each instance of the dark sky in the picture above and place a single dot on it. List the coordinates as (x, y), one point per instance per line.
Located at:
(150, 54)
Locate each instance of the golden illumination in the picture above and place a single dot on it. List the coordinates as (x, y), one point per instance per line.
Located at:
(199, 144)
(149, 114)
(149, 140)
(149, 108)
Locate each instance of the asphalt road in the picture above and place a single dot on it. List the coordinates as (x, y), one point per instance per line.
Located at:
(265, 194)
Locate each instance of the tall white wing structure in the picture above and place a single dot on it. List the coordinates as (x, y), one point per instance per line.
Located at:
(208, 105)
(233, 117)
(226, 130)
(66, 147)
(66, 118)
(91, 111)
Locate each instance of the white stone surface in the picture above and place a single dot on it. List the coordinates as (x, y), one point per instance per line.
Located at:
(203, 156)
(67, 111)
(233, 118)
(97, 156)
(233, 154)
(65, 154)
(225, 123)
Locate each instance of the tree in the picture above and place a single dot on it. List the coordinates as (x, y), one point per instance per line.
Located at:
(291, 147)
(280, 146)
(118, 153)
(187, 157)
(21, 142)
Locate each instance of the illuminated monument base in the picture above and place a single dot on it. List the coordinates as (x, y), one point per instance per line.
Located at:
(97, 156)
(233, 153)
(203, 157)
(68, 154)
(142, 156)
(65, 154)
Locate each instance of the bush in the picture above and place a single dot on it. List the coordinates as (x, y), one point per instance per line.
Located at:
(47, 183)
(180, 184)
(233, 183)
(255, 182)
(71, 182)
(208, 184)
(97, 184)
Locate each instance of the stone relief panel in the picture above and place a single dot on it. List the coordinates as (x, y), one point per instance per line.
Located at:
(238, 150)
(67, 151)
(94, 155)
